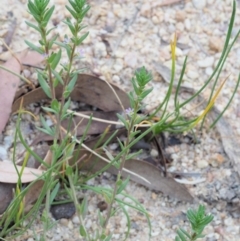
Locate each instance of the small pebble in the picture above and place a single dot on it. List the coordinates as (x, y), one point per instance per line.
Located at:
(207, 62)
(187, 24)
(100, 50)
(202, 164)
(63, 211)
(154, 153)
(192, 74)
(199, 4)
(76, 220)
(215, 44)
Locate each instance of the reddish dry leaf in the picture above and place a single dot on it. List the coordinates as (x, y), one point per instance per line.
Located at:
(32, 58)
(8, 86)
(9, 83)
(6, 195)
(36, 189)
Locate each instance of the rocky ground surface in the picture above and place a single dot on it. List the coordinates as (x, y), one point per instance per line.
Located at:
(123, 36)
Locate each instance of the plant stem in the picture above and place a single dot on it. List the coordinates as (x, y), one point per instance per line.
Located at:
(123, 160)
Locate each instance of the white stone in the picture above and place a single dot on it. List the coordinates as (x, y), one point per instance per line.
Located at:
(192, 74)
(207, 62)
(88, 224)
(26, 73)
(187, 24)
(76, 220)
(3, 153)
(23, 26)
(113, 146)
(180, 26)
(154, 153)
(210, 2)
(155, 19)
(208, 71)
(130, 59)
(199, 4)
(100, 50)
(116, 79)
(202, 164)
(118, 65)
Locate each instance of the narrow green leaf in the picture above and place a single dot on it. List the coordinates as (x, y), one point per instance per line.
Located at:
(32, 8)
(52, 41)
(84, 207)
(66, 107)
(60, 44)
(66, 93)
(72, 82)
(69, 171)
(82, 231)
(133, 155)
(123, 185)
(70, 25)
(49, 110)
(74, 14)
(51, 58)
(54, 192)
(101, 218)
(128, 220)
(44, 123)
(120, 144)
(185, 232)
(43, 83)
(75, 6)
(48, 15)
(81, 39)
(50, 133)
(34, 47)
(33, 26)
(57, 76)
(145, 93)
(56, 59)
(123, 120)
(181, 235)
(55, 105)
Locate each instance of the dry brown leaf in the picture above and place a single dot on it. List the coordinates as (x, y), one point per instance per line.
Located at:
(9, 83)
(8, 87)
(147, 171)
(8, 173)
(89, 90)
(6, 195)
(35, 190)
(32, 58)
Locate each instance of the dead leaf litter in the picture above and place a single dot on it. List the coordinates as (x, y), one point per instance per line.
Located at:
(124, 35)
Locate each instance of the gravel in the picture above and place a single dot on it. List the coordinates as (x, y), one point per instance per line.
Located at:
(123, 36)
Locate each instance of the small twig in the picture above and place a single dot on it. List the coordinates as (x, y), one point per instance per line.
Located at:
(9, 35)
(161, 156)
(26, 65)
(116, 95)
(166, 3)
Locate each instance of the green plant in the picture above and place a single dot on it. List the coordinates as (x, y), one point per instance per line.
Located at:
(198, 220)
(62, 149)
